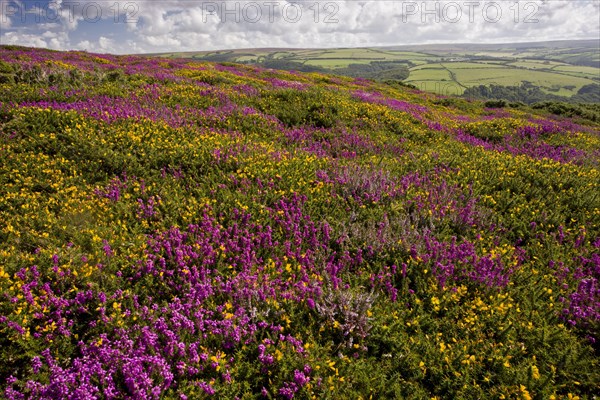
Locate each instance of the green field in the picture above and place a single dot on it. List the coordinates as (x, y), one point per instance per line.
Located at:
(336, 63)
(446, 88)
(430, 74)
(587, 72)
(558, 78)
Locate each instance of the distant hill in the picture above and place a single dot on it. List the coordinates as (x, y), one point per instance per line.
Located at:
(558, 69)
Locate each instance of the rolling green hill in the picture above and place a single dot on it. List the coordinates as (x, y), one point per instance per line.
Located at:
(556, 68)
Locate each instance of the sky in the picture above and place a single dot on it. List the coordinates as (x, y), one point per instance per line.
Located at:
(146, 26)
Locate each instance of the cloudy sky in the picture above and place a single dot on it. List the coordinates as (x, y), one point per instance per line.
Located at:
(146, 26)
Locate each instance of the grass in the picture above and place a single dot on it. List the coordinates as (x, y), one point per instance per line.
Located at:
(336, 63)
(512, 77)
(431, 66)
(445, 88)
(465, 65)
(435, 74)
(588, 72)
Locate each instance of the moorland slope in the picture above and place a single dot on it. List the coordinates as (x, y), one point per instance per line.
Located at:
(175, 229)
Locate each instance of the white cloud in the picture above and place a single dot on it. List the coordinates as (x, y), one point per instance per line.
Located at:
(183, 25)
(105, 43)
(45, 39)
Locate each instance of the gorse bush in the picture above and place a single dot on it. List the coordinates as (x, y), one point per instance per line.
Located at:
(175, 229)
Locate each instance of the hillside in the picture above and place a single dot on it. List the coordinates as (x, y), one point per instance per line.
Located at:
(177, 229)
